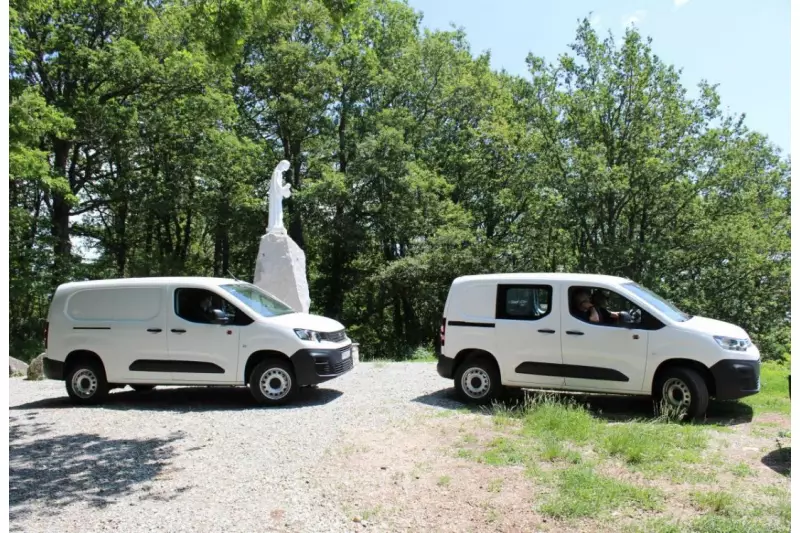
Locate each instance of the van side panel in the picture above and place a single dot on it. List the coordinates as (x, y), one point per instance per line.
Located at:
(120, 324)
(115, 304)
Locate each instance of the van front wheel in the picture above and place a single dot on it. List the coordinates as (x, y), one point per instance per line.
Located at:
(272, 382)
(86, 383)
(683, 392)
(477, 381)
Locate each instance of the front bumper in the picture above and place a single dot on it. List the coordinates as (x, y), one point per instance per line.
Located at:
(736, 378)
(316, 365)
(52, 369)
(445, 366)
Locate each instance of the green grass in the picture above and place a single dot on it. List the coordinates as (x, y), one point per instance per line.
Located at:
(507, 451)
(444, 481)
(583, 493)
(463, 453)
(716, 502)
(495, 485)
(651, 446)
(708, 524)
(742, 470)
(559, 442)
(774, 395)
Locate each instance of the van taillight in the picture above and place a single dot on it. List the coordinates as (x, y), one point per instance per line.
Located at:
(46, 330)
(441, 336)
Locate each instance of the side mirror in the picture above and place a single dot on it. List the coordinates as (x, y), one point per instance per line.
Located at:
(220, 317)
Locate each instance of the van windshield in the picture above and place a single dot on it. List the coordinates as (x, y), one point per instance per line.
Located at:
(258, 300)
(658, 302)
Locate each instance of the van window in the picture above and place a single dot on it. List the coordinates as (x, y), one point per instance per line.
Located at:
(115, 304)
(523, 302)
(195, 305)
(258, 300)
(603, 307)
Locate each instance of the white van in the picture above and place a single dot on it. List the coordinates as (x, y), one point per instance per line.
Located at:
(187, 331)
(555, 331)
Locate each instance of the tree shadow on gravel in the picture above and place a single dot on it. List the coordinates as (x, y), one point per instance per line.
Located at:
(47, 473)
(613, 408)
(190, 399)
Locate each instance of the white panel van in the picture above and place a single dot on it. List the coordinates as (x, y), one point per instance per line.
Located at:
(588, 333)
(187, 331)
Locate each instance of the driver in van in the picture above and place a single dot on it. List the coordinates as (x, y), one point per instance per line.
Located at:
(584, 308)
(600, 303)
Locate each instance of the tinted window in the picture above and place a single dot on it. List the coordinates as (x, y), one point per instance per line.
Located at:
(523, 302)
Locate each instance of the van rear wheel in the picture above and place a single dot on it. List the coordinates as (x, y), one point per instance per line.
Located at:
(86, 383)
(272, 382)
(477, 381)
(681, 392)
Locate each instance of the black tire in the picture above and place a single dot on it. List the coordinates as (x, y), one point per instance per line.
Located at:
(680, 390)
(143, 388)
(86, 383)
(278, 376)
(477, 381)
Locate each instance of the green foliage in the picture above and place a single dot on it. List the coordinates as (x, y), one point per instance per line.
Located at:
(147, 133)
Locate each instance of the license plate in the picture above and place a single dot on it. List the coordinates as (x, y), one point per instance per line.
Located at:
(346, 354)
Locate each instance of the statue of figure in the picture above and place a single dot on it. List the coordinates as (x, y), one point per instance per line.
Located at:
(277, 192)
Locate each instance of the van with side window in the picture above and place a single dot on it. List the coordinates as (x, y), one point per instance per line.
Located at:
(187, 331)
(588, 333)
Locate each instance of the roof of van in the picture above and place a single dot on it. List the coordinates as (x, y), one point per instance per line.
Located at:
(551, 276)
(132, 282)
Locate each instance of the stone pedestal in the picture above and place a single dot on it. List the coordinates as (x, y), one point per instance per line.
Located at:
(281, 270)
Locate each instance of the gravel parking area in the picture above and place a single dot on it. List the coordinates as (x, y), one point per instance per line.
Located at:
(199, 459)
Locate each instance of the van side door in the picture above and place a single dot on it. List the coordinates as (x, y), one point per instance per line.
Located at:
(202, 351)
(527, 334)
(609, 355)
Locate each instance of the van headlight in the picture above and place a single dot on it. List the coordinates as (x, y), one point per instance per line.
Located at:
(307, 335)
(733, 344)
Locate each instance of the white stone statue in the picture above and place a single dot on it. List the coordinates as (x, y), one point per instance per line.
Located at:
(281, 264)
(277, 192)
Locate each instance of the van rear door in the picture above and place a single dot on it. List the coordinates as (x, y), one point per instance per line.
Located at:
(527, 339)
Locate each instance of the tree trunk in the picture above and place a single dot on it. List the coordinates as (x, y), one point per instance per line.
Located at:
(59, 218)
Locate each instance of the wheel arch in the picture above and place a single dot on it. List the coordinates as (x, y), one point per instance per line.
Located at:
(472, 353)
(261, 355)
(81, 356)
(699, 367)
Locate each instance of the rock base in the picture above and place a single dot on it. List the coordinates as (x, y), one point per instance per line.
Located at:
(281, 270)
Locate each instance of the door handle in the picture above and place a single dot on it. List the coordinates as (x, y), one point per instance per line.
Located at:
(574, 332)
(154, 330)
(178, 330)
(547, 331)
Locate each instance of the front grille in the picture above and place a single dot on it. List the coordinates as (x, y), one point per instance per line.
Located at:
(335, 336)
(326, 368)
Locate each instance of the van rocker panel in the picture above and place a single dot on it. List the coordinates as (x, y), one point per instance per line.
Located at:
(178, 367)
(571, 371)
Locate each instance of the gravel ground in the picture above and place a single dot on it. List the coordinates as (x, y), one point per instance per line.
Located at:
(198, 459)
